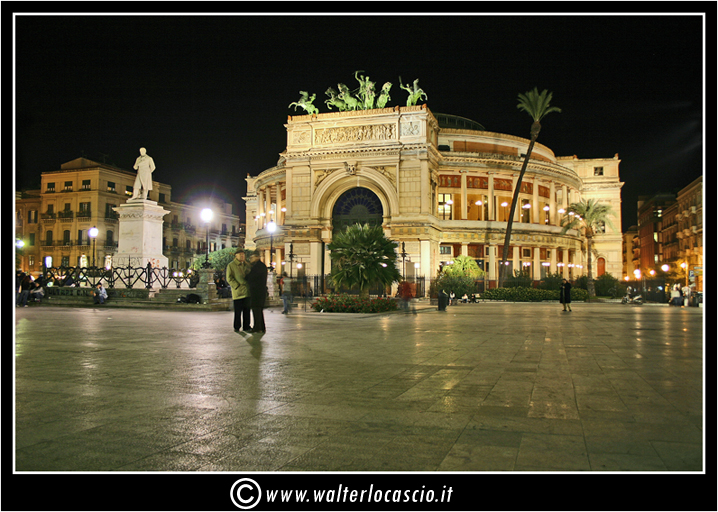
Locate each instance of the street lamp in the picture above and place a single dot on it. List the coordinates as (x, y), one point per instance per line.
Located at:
(403, 259)
(92, 233)
(206, 215)
(291, 257)
(271, 227)
(684, 266)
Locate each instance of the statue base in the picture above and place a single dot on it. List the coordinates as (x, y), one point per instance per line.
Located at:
(140, 234)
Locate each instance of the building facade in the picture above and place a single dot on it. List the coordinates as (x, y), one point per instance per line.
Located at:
(681, 236)
(439, 187)
(631, 253)
(55, 222)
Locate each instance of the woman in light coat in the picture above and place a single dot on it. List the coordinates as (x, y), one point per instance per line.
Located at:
(237, 271)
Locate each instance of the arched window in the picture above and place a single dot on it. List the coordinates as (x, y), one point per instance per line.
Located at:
(357, 205)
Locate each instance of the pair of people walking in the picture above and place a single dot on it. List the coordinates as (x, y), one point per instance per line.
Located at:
(248, 281)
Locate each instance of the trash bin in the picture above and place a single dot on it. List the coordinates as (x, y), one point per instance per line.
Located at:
(443, 301)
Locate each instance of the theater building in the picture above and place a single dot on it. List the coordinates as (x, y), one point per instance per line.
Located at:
(439, 185)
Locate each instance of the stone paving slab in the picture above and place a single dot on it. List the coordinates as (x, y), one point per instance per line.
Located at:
(478, 388)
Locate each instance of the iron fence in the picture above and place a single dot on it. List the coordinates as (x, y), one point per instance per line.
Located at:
(121, 277)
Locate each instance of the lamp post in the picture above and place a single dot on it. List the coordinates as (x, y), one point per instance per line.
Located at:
(206, 215)
(92, 233)
(291, 257)
(403, 260)
(271, 227)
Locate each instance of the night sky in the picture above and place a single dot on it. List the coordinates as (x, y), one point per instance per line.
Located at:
(208, 95)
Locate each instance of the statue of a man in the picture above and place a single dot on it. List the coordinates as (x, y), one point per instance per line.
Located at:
(144, 165)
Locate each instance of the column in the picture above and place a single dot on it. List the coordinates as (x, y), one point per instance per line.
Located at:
(260, 208)
(491, 197)
(554, 254)
(464, 206)
(464, 248)
(426, 192)
(517, 211)
(535, 216)
(565, 263)
(492, 263)
(517, 258)
(552, 219)
(425, 259)
(536, 264)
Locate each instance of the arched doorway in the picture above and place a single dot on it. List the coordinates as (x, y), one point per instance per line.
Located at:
(601, 264)
(357, 205)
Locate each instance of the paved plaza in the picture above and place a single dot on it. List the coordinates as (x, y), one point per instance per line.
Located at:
(490, 387)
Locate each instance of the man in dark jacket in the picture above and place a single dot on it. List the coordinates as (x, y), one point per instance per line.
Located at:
(257, 281)
(565, 295)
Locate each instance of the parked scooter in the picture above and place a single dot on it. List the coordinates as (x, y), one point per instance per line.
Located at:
(637, 299)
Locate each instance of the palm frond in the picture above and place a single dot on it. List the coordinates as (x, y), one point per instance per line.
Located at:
(587, 214)
(363, 257)
(536, 104)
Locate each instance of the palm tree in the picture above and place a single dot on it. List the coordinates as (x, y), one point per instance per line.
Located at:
(590, 217)
(464, 266)
(363, 257)
(537, 106)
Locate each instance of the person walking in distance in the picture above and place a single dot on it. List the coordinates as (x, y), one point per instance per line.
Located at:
(257, 281)
(287, 298)
(565, 295)
(236, 272)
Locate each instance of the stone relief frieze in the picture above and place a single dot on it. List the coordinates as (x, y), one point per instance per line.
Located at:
(410, 129)
(301, 137)
(355, 134)
(387, 172)
(320, 175)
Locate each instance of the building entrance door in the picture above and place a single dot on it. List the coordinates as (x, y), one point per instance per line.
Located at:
(357, 206)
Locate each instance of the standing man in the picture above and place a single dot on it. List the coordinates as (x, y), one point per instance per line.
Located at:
(257, 280)
(145, 166)
(287, 298)
(236, 272)
(565, 295)
(686, 295)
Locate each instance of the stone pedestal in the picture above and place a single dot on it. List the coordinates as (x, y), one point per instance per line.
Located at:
(206, 288)
(272, 287)
(140, 234)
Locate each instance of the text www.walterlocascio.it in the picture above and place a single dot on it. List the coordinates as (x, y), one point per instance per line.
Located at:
(245, 496)
(345, 494)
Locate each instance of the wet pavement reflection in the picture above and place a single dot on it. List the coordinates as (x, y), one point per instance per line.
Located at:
(479, 387)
